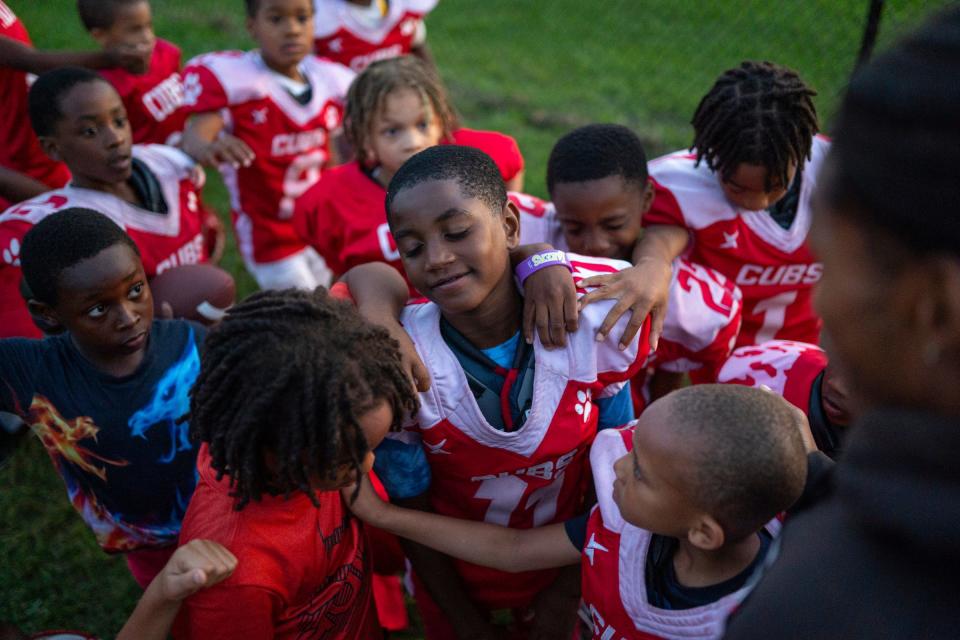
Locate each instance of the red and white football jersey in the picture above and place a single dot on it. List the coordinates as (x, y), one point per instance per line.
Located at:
(538, 474)
(785, 367)
(165, 240)
(19, 148)
(153, 99)
(341, 36)
(613, 581)
(343, 218)
(290, 140)
(703, 312)
(773, 266)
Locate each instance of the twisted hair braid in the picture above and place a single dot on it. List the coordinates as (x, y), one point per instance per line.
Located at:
(759, 113)
(290, 373)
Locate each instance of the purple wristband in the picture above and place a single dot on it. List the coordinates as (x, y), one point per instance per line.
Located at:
(540, 261)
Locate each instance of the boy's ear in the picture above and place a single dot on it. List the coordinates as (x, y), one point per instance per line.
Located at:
(706, 534)
(44, 317)
(100, 35)
(511, 224)
(50, 147)
(249, 25)
(647, 197)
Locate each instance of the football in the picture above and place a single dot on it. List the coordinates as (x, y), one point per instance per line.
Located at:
(200, 292)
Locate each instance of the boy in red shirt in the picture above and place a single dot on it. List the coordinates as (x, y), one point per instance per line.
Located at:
(27, 170)
(294, 392)
(395, 108)
(266, 117)
(152, 93)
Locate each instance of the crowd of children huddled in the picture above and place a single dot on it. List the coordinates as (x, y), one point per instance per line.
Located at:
(589, 415)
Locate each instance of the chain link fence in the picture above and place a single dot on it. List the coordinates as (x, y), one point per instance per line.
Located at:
(543, 67)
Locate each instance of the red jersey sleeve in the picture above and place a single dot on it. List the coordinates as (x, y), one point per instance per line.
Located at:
(665, 208)
(227, 611)
(202, 91)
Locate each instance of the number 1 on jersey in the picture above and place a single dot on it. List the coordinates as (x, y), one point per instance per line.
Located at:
(506, 492)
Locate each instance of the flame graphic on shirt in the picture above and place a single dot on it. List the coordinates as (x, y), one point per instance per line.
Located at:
(61, 438)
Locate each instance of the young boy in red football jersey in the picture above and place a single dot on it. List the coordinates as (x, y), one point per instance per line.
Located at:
(506, 425)
(149, 190)
(265, 117)
(687, 499)
(294, 392)
(395, 108)
(598, 182)
(28, 171)
(152, 93)
(738, 202)
(357, 33)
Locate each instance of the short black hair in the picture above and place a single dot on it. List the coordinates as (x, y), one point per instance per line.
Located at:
(100, 14)
(598, 151)
(252, 7)
(894, 158)
(60, 241)
(47, 92)
(749, 455)
(477, 175)
(291, 372)
(758, 113)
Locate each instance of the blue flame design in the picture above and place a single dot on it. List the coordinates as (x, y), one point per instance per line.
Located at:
(170, 401)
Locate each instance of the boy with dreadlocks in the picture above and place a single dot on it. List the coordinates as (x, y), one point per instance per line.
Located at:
(395, 108)
(294, 392)
(738, 202)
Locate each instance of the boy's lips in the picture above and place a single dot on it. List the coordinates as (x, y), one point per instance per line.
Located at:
(120, 163)
(136, 341)
(448, 282)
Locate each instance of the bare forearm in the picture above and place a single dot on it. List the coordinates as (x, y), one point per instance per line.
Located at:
(490, 545)
(661, 242)
(17, 187)
(152, 618)
(25, 58)
(378, 289)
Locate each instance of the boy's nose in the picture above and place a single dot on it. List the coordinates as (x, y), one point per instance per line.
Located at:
(127, 316)
(438, 255)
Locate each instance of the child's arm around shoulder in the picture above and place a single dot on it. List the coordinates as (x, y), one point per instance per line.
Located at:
(196, 565)
(17, 55)
(490, 545)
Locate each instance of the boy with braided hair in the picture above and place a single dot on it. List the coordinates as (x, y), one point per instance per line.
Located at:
(738, 202)
(295, 390)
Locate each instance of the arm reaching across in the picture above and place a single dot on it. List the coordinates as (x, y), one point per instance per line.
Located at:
(490, 545)
(380, 293)
(643, 289)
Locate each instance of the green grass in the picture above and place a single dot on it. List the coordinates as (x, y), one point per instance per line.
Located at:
(531, 68)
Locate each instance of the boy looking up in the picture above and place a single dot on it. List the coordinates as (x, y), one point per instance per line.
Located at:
(149, 190)
(104, 396)
(506, 426)
(686, 504)
(152, 93)
(266, 116)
